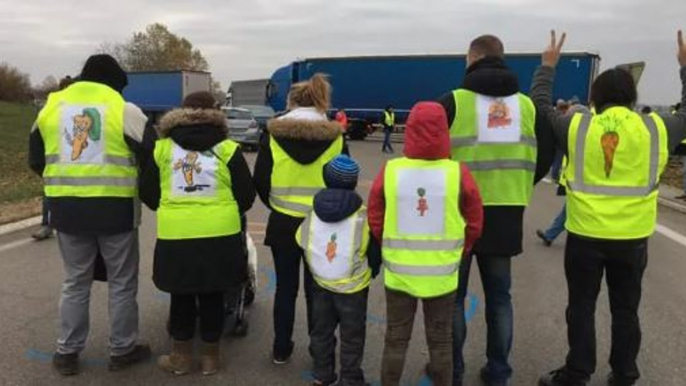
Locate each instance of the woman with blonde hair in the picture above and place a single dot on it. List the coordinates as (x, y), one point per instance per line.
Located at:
(288, 173)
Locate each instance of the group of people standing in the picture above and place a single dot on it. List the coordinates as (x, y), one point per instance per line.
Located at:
(458, 193)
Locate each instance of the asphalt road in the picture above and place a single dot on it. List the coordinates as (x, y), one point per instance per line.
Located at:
(31, 275)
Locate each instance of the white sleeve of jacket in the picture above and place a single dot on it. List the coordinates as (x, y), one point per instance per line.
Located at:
(134, 122)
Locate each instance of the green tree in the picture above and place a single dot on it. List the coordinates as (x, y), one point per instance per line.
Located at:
(157, 49)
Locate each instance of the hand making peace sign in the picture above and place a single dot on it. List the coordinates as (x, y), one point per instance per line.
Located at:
(551, 55)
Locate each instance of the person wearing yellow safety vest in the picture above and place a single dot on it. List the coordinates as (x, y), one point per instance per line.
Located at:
(388, 123)
(335, 237)
(681, 152)
(288, 173)
(200, 185)
(85, 145)
(427, 211)
(616, 157)
(495, 130)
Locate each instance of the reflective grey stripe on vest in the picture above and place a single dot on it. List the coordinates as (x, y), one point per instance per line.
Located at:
(295, 191)
(503, 164)
(474, 140)
(294, 206)
(91, 181)
(423, 245)
(108, 159)
(579, 184)
(422, 270)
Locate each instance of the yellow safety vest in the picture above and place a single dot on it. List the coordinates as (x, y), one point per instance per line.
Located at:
(615, 162)
(86, 155)
(293, 185)
(389, 118)
(423, 235)
(496, 139)
(336, 252)
(196, 197)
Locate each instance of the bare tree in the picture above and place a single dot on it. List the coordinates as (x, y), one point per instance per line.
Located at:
(156, 49)
(14, 85)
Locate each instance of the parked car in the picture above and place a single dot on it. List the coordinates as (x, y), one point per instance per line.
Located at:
(243, 127)
(261, 114)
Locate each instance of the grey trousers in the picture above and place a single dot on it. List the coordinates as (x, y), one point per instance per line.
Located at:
(120, 252)
(348, 312)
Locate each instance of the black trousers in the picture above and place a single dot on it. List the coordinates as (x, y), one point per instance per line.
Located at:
(331, 310)
(624, 263)
(187, 308)
(287, 259)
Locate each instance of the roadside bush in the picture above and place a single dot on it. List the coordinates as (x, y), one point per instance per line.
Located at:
(14, 85)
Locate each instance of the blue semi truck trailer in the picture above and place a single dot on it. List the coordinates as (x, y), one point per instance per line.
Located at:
(365, 85)
(156, 92)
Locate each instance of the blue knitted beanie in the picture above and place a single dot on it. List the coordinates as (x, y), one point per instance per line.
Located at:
(341, 173)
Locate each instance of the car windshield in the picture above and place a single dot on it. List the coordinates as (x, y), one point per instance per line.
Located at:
(238, 114)
(260, 111)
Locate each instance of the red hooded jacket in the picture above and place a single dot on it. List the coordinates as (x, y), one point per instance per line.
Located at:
(427, 137)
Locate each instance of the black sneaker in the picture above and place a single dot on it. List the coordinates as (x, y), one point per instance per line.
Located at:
(558, 378)
(66, 364)
(615, 381)
(280, 357)
(487, 380)
(140, 353)
(546, 241)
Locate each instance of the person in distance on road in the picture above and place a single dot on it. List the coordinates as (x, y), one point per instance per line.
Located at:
(388, 123)
(616, 157)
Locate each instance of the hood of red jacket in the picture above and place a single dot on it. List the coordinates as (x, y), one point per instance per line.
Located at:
(426, 132)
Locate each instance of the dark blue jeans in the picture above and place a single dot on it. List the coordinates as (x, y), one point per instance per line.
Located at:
(558, 225)
(496, 280)
(387, 140)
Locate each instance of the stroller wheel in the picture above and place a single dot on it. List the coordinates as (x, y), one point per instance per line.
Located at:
(240, 330)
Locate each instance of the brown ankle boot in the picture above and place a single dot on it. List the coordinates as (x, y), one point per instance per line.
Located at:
(209, 358)
(180, 360)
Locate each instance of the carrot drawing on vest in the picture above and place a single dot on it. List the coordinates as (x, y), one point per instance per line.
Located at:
(422, 204)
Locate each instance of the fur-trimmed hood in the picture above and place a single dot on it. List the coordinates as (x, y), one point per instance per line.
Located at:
(305, 124)
(194, 129)
(304, 133)
(192, 117)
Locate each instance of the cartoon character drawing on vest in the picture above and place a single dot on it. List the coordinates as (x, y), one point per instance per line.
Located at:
(189, 165)
(87, 125)
(499, 114)
(422, 203)
(331, 248)
(609, 141)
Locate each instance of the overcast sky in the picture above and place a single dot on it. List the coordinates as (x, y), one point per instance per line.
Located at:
(244, 39)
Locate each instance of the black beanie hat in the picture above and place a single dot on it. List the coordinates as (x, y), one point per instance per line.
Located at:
(104, 69)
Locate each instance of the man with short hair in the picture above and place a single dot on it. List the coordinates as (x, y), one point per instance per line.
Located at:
(85, 144)
(496, 132)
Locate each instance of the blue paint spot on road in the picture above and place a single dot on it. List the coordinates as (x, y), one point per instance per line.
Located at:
(473, 302)
(270, 277)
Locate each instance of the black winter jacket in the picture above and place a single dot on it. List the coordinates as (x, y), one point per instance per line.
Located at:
(503, 225)
(305, 141)
(334, 205)
(214, 264)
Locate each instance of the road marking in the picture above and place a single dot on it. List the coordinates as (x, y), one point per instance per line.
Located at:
(670, 234)
(19, 225)
(15, 244)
